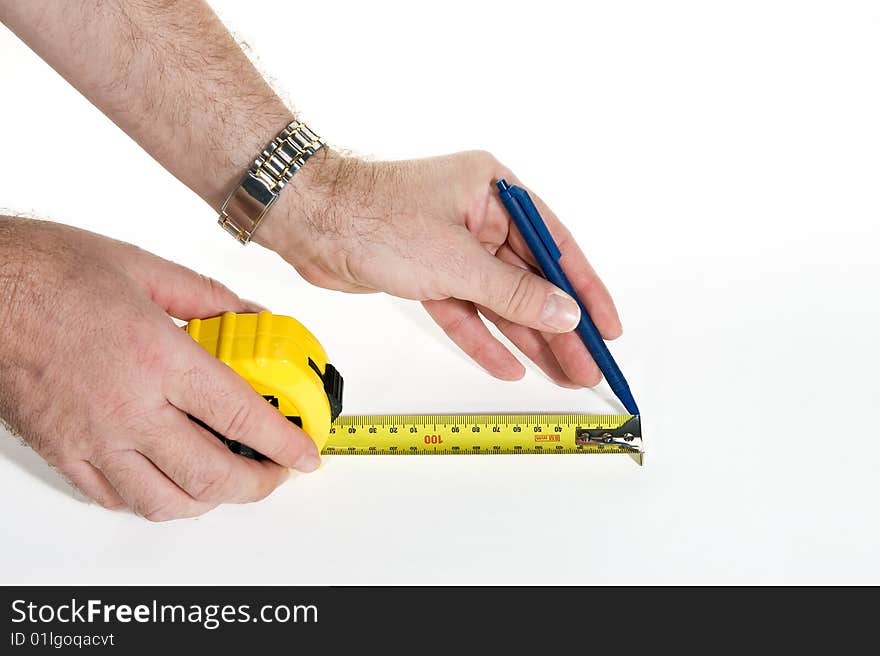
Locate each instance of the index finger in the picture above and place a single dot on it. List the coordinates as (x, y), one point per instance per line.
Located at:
(586, 282)
(212, 392)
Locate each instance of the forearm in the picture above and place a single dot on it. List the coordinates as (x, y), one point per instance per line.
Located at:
(26, 289)
(11, 273)
(168, 73)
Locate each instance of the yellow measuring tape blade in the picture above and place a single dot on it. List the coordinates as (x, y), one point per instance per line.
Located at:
(486, 435)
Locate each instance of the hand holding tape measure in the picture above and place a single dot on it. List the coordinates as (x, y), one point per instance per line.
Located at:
(287, 365)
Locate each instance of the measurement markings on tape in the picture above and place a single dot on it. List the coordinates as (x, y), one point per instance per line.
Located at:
(537, 434)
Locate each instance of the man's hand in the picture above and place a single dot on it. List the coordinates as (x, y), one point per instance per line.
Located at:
(98, 379)
(435, 230)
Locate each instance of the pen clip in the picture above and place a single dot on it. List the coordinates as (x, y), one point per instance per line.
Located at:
(531, 212)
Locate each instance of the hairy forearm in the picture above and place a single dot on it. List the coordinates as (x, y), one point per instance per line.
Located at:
(25, 287)
(168, 73)
(11, 272)
(26, 290)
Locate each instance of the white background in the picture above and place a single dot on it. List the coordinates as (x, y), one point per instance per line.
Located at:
(719, 163)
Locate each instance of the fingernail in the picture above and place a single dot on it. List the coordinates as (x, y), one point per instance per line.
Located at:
(309, 461)
(561, 313)
(253, 306)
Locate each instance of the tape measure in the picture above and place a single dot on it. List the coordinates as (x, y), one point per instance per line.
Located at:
(286, 364)
(486, 435)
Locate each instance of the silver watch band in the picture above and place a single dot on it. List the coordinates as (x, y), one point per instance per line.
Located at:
(249, 202)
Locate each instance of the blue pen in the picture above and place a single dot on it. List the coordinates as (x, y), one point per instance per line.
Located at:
(530, 224)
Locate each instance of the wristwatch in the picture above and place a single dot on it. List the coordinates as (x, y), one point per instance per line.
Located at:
(249, 202)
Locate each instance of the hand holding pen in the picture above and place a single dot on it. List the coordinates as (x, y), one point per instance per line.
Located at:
(436, 230)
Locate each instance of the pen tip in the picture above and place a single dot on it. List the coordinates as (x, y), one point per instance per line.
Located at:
(502, 185)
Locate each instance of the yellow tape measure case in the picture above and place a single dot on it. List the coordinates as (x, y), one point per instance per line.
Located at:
(282, 361)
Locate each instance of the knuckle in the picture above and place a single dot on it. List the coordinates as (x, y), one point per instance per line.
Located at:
(214, 288)
(101, 496)
(489, 165)
(454, 326)
(265, 488)
(265, 492)
(150, 355)
(150, 439)
(240, 422)
(283, 452)
(198, 384)
(109, 502)
(158, 516)
(158, 510)
(483, 157)
(125, 412)
(521, 297)
(215, 485)
(106, 457)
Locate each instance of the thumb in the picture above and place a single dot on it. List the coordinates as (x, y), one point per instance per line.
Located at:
(516, 294)
(185, 294)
